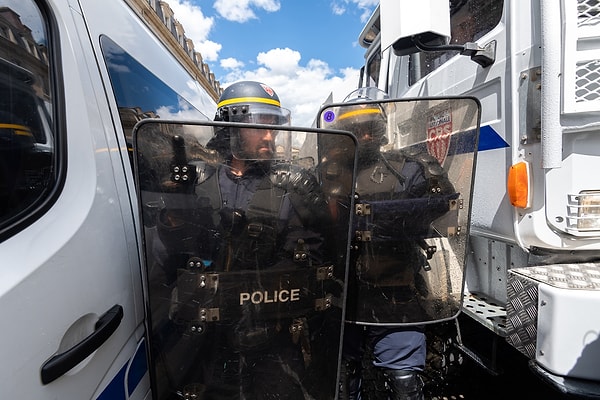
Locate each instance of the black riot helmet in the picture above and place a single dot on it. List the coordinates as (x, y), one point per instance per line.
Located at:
(251, 102)
(248, 102)
(362, 117)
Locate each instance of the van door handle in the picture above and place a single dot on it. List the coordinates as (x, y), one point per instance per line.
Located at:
(61, 363)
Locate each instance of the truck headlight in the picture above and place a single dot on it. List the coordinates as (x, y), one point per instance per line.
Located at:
(584, 211)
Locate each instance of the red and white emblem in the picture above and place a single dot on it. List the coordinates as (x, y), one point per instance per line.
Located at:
(267, 89)
(439, 131)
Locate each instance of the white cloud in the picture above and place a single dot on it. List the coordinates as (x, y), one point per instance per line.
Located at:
(231, 63)
(280, 61)
(242, 10)
(196, 27)
(364, 4)
(208, 49)
(365, 7)
(337, 9)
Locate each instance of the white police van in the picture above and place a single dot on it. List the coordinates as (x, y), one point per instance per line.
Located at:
(75, 76)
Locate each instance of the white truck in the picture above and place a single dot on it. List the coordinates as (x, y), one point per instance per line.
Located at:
(533, 272)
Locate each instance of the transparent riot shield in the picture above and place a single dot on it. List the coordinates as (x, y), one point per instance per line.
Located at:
(245, 266)
(413, 191)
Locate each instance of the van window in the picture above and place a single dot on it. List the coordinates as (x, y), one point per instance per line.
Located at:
(469, 21)
(28, 157)
(139, 93)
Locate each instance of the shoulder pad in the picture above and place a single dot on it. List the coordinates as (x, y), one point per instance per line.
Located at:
(431, 164)
(437, 178)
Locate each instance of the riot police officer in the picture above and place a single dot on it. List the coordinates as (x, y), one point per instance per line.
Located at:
(386, 259)
(245, 255)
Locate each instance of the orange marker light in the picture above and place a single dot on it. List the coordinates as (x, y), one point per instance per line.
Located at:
(518, 184)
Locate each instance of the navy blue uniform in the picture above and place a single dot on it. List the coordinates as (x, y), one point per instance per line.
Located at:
(384, 268)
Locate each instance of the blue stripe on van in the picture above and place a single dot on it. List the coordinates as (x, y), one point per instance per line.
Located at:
(138, 368)
(116, 388)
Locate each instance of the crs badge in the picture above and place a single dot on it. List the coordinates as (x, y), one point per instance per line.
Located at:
(439, 132)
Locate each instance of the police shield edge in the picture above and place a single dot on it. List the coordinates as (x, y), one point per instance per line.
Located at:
(414, 183)
(245, 294)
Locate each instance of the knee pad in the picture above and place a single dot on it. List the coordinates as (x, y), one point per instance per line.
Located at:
(404, 385)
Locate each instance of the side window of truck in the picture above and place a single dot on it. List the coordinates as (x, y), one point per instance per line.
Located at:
(373, 68)
(28, 144)
(469, 21)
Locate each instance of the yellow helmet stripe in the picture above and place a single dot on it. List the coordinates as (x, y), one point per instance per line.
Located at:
(249, 100)
(356, 113)
(19, 129)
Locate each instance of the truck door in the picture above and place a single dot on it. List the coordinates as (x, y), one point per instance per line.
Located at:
(69, 264)
(246, 299)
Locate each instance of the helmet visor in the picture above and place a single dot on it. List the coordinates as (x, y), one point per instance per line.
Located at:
(368, 123)
(258, 114)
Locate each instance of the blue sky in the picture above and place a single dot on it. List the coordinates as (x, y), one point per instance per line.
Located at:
(304, 49)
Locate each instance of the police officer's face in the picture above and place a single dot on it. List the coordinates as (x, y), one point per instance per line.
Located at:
(364, 135)
(369, 141)
(368, 132)
(257, 144)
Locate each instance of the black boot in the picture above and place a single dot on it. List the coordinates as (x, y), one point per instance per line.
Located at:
(404, 385)
(350, 380)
